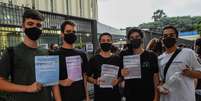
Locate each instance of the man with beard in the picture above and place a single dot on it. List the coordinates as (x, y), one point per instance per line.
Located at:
(104, 57)
(141, 87)
(18, 64)
(73, 64)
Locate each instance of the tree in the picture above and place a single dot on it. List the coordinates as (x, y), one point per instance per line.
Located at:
(158, 14)
(182, 23)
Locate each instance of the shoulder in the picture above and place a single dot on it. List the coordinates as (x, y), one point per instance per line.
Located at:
(187, 50)
(94, 57)
(43, 50)
(124, 52)
(79, 52)
(161, 56)
(115, 56)
(149, 52)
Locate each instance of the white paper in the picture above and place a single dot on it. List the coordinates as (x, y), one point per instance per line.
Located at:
(47, 70)
(132, 63)
(175, 78)
(89, 47)
(108, 73)
(74, 69)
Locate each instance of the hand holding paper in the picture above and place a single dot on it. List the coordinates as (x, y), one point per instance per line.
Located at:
(124, 72)
(66, 82)
(108, 75)
(132, 64)
(47, 70)
(35, 87)
(74, 69)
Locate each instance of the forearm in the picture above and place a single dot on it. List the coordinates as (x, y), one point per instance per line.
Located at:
(56, 93)
(156, 84)
(195, 74)
(120, 79)
(91, 80)
(86, 87)
(11, 87)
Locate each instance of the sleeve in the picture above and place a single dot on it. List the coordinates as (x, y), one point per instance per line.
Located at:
(62, 68)
(90, 69)
(194, 64)
(85, 64)
(155, 64)
(121, 64)
(5, 66)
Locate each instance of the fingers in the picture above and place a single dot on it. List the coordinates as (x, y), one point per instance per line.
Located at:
(66, 82)
(35, 87)
(38, 86)
(163, 90)
(115, 82)
(187, 72)
(124, 72)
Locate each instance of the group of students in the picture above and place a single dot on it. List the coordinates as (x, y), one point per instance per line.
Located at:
(17, 68)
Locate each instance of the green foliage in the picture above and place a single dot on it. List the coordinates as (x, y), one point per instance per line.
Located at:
(158, 14)
(182, 23)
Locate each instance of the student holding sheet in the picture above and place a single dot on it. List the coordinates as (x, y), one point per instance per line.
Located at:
(18, 63)
(104, 71)
(73, 64)
(178, 81)
(140, 68)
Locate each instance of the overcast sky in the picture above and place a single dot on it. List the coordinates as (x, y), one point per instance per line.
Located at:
(124, 13)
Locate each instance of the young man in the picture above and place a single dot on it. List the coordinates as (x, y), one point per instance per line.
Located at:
(73, 87)
(20, 66)
(105, 57)
(180, 74)
(198, 82)
(142, 86)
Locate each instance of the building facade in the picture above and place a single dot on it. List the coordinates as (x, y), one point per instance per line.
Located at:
(79, 8)
(11, 33)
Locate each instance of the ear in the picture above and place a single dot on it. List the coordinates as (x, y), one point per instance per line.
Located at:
(23, 27)
(62, 34)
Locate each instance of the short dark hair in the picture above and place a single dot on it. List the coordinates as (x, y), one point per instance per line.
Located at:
(172, 27)
(135, 30)
(103, 34)
(33, 14)
(63, 25)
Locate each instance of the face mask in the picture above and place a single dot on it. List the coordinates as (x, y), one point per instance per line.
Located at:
(70, 38)
(106, 46)
(169, 42)
(135, 43)
(33, 33)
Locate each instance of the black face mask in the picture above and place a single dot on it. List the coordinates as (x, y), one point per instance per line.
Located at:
(70, 38)
(169, 42)
(135, 43)
(33, 33)
(106, 46)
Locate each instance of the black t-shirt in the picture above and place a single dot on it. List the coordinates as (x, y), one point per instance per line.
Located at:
(75, 92)
(22, 71)
(94, 70)
(143, 88)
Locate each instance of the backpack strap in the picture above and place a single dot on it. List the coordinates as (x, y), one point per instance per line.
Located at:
(169, 62)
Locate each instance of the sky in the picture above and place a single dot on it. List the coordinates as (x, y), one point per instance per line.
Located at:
(129, 13)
